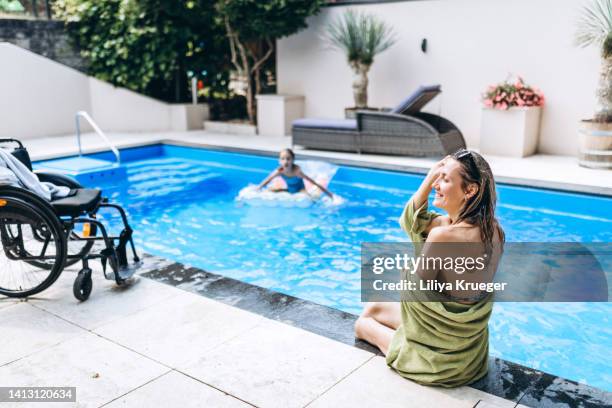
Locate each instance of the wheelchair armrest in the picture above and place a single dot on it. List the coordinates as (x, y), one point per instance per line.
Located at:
(58, 179)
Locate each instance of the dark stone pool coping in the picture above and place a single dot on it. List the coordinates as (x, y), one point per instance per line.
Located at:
(505, 379)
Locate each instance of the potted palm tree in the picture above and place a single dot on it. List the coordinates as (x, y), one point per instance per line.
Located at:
(595, 28)
(361, 37)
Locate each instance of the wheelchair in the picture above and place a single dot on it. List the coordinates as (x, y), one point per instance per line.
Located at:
(40, 238)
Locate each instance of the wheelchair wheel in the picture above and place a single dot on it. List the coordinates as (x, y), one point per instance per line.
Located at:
(77, 249)
(81, 289)
(22, 225)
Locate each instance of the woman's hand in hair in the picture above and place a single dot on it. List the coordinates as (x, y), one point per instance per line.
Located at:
(434, 172)
(420, 196)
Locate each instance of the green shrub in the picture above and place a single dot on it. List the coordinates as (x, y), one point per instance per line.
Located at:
(149, 46)
(11, 6)
(252, 26)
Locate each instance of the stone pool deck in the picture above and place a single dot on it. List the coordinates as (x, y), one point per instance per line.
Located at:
(152, 344)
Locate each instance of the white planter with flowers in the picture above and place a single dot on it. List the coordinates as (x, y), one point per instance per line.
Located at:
(510, 124)
(513, 132)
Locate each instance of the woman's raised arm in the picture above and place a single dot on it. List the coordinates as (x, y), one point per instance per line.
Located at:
(422, 194)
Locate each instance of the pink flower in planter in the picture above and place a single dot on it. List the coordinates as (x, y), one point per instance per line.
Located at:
(508, 94)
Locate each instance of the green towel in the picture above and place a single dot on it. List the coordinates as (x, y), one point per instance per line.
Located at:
(439, 343)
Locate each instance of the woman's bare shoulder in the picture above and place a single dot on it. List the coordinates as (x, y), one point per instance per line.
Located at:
(454, 233)
(441, 233)
(441, 221)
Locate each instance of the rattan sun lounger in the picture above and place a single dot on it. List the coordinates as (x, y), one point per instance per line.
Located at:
(403, 131)
(326, 134)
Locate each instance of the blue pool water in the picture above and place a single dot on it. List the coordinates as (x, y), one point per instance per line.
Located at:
(182, 205)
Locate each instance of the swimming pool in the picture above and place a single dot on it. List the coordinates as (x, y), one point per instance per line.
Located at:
(182, 205)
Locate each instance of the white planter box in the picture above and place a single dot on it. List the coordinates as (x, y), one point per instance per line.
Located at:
(185, 116)
(229, 128)
(275, 113)
(513, 132)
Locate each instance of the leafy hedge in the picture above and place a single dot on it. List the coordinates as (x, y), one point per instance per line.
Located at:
(252, 26)
(149, 45)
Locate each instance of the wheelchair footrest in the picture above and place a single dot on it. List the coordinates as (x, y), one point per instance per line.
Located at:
(124, 272)
(128, 271)
(117, 258)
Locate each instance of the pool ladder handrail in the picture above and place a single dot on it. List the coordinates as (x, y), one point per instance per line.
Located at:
(96, 128)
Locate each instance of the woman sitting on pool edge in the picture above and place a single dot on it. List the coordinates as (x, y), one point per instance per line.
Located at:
(292, 175)
(441, 343)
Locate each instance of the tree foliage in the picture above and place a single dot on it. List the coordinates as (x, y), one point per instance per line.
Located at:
(252, 26)
(148, 45)
(255, 19)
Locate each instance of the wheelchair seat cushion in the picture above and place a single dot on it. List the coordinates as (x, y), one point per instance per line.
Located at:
(83, 201)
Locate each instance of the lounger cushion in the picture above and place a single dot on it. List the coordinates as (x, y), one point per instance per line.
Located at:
(339, 124)
(85, 200)
(417, 100)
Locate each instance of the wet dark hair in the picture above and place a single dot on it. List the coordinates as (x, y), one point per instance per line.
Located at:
(480, 208)
(288, 151)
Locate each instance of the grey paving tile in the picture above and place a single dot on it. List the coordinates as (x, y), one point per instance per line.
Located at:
(485, 399)
(177, 390)
(7, 301)
(107, 301)
(99, 369)
(276, 365)
(180, 329)
(376, 385)
(26, 329)
(488, 404)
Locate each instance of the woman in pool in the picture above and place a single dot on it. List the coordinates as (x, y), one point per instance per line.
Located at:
(441, 343)
(292, 174)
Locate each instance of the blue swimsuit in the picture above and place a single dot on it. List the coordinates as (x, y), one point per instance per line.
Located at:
(294, 184)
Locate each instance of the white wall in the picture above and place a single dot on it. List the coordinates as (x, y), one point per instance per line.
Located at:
(118, 109)
(471, 44)
(39, 97)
